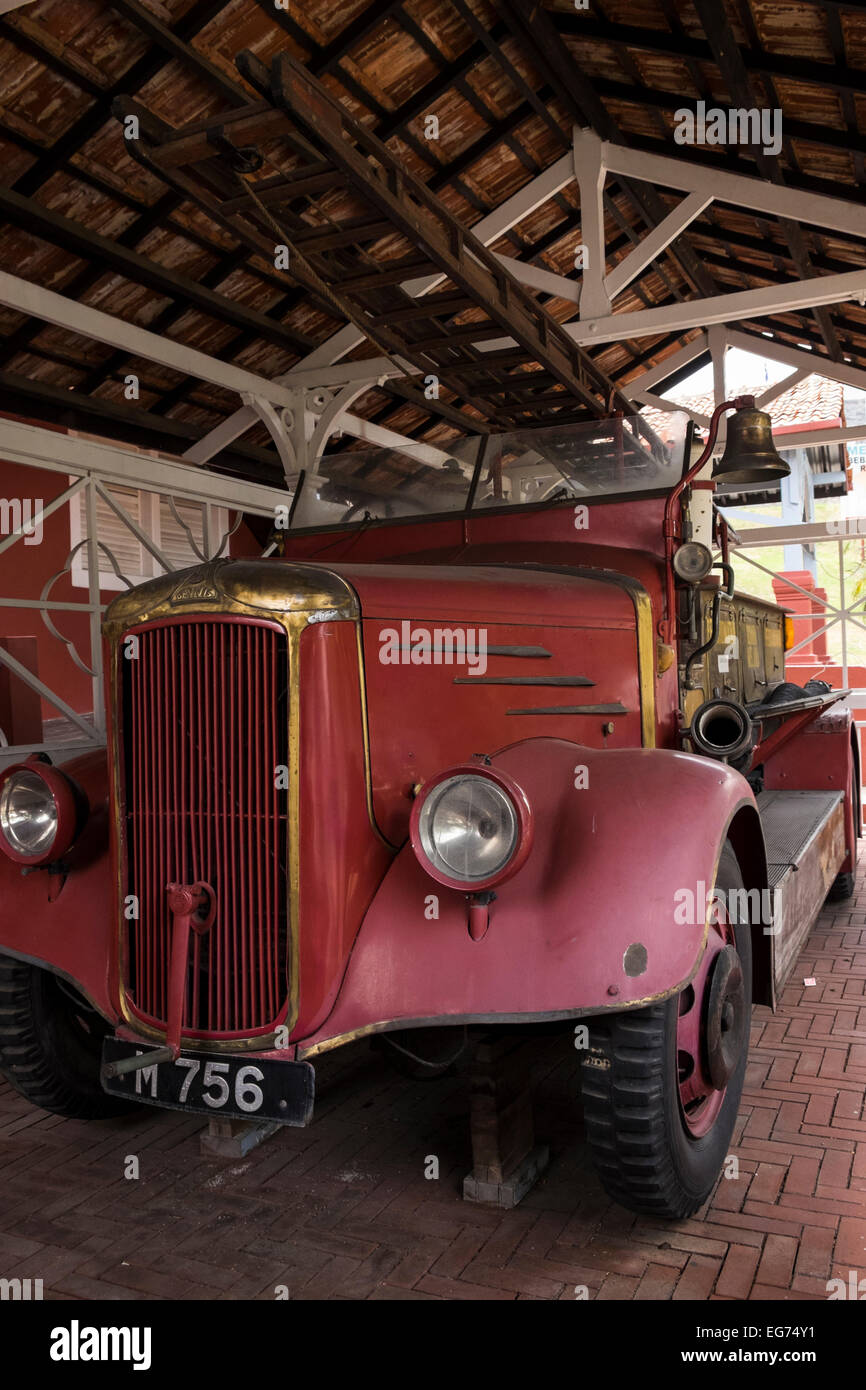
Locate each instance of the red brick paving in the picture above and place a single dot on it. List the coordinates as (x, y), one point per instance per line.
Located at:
(343, 1210)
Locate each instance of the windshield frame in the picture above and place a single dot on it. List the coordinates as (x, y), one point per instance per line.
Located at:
(470, 509)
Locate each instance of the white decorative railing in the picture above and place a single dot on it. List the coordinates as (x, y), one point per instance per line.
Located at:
(92, 467)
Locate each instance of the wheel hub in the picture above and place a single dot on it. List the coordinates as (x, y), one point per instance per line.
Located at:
(711, 1027)
(726, 1014)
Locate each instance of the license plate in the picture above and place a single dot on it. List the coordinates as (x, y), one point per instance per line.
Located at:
(234, 1087)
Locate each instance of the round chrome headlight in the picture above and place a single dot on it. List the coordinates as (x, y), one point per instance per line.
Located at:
(29, 815)
(469, 830)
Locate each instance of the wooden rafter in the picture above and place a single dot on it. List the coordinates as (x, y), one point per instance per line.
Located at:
(733, 69)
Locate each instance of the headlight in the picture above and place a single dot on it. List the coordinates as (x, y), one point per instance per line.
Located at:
(39, 813)
(471, 828)
(693, 561)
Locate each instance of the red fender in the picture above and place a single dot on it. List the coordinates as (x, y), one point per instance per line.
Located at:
(591, 922)
(64, 921)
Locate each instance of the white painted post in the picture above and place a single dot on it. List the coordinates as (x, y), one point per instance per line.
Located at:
(589, 171)
(843, 608)
(95, 609)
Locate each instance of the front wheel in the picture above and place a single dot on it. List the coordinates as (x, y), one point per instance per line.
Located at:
(662, 1085)
(51, 1044)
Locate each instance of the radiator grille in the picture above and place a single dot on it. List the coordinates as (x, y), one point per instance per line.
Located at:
(205, 725)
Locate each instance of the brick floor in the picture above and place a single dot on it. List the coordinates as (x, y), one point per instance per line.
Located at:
(343, 1209)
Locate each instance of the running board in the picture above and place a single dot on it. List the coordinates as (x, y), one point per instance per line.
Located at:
(804, 834)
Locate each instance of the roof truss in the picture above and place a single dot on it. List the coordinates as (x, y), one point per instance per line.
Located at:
(548, 59)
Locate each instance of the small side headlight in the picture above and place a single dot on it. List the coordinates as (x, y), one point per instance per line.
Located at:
(471, 828)
(693, 561)
(40, 813)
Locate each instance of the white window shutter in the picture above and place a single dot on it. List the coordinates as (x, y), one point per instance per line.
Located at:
(153, 515)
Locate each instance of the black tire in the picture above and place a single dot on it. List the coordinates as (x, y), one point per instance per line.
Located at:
(784, 693)
(841, 888)
(644, 1154)
(844, 884)
(51, 1044)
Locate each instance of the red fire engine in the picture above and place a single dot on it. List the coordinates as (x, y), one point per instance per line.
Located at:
(488, 743)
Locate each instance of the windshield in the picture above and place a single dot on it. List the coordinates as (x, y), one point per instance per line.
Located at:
(592, 459)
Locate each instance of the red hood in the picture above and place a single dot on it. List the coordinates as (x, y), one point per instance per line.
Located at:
(485, 594)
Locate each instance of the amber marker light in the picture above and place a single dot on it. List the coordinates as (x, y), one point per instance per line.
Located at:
(471, 827)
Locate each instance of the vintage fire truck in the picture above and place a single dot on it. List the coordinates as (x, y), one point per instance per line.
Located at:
(486, 741)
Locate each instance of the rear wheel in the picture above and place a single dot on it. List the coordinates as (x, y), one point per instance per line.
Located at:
(51, 1044)
(843, 885)
(662, 1085)
(841, 888)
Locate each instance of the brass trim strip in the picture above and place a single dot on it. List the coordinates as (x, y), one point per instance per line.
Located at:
(293, 626)
(293, 829)
(365, 726)
(565, 681)
(572, 709)
(293, 596)
(528, 653)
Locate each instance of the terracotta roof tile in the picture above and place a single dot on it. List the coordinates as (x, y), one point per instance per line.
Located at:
(814, 398)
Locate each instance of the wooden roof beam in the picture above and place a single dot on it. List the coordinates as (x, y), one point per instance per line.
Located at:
(30, 38)
(655, 98)
(95, 414)
(176, 43)
(111, 255)
(63, 151)
(758, 61)
(733, 70)
(87, 125)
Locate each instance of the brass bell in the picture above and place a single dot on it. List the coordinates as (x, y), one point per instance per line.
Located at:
(750, 455)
